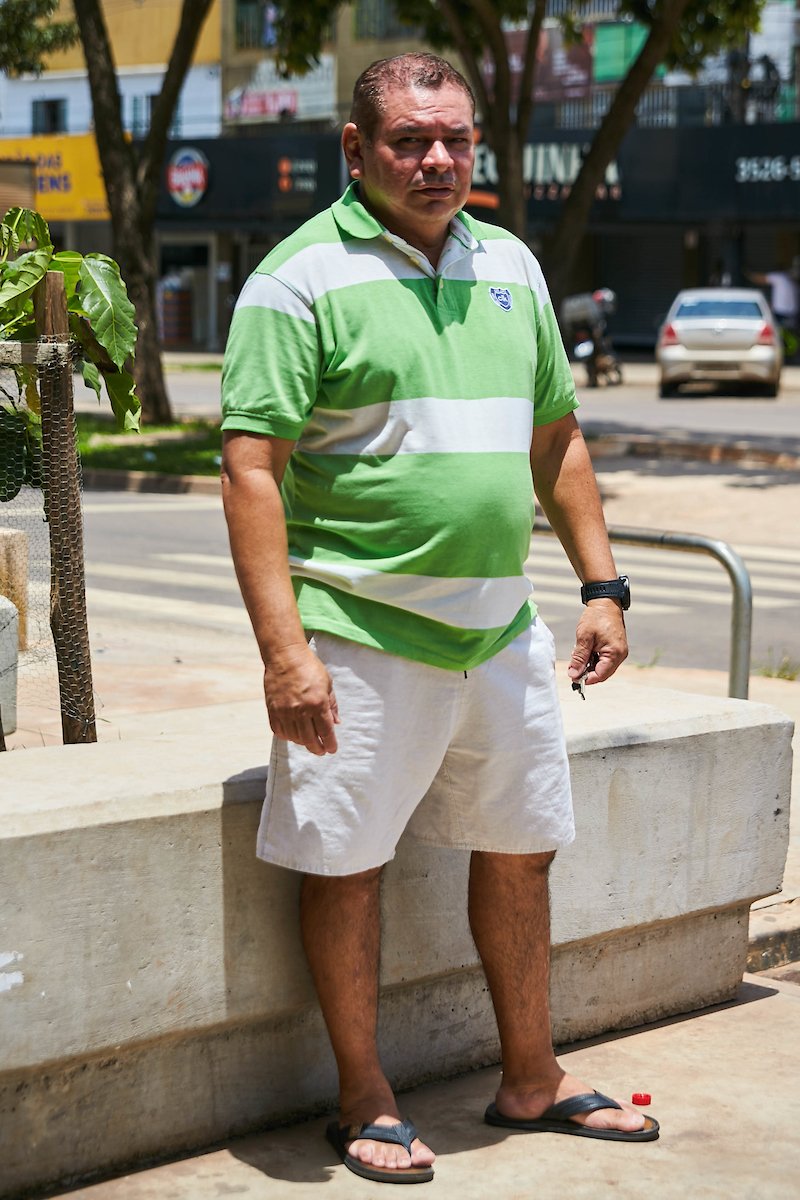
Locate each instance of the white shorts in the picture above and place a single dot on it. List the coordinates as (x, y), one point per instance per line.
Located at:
(475, 761)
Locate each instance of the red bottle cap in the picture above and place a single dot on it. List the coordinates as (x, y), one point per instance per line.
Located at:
(640, 1098)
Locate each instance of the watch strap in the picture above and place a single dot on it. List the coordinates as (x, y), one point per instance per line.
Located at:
(609, 589)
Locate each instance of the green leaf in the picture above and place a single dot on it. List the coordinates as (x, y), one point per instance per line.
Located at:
(21, 276)
(27, 224)
(9, 241)
(121, 388)
(69, 263)
(106, 303)
(17, 322)
(91, 376)
(81, 330)
(26, 381)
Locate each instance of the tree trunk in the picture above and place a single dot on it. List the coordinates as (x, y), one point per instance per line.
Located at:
(62, 492)
(513, 211)
(562, 248)
(147, 368)
(131, 179)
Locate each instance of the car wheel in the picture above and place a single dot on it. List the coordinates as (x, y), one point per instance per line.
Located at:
(770, 390)
(665, 390)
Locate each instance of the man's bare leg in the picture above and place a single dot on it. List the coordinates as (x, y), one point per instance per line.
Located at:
(340, 920)
(509, 913)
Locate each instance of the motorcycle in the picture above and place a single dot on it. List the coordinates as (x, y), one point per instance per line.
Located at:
(583, 320)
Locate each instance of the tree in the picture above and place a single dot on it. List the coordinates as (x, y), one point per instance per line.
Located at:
(24, 40)
(99, 316)
(680, 33)
(132, 172)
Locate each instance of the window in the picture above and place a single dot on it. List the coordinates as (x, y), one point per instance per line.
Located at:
(378, 19)
(142, 115)
(141, 112)
(49, 116)
(719, 309)
(255, 25)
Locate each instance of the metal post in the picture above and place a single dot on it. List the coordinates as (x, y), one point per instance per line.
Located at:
(742, 610)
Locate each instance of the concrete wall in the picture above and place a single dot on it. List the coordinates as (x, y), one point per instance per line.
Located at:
(153, 997)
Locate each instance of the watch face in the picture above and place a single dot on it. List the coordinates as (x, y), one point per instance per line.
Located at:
(626, 592)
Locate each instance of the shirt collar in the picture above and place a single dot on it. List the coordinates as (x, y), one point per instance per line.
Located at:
(354, 219)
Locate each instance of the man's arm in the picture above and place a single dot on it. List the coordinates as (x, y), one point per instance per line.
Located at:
(297, 688)
(567, 490)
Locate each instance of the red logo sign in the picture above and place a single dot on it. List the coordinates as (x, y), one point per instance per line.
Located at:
(187, 176)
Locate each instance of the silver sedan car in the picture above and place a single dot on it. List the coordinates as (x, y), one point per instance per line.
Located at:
(726, 335)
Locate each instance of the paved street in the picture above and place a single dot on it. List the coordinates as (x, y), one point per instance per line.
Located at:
(633, 407)
(174, 551)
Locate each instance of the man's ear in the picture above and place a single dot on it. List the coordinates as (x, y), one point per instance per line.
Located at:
(352, 148)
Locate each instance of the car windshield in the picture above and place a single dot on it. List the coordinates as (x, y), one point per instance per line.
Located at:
(731, 309)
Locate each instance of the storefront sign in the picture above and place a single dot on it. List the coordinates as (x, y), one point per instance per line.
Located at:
(563, 68)
(187, 176)
(549, 170)
(766, 168)
(68, 180)
(248, 182)
(267, 96)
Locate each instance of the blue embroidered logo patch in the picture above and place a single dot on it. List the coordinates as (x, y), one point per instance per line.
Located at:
(502, 298)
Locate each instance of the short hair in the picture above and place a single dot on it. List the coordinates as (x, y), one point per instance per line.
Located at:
(416, 69)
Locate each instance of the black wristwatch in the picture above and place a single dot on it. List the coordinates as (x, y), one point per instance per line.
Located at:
(611, 589)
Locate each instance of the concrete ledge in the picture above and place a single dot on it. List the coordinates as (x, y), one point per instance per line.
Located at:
(153, 997)
(9, 657)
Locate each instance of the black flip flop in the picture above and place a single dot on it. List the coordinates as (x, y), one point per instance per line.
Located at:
(557, 1119)
(402, 1134)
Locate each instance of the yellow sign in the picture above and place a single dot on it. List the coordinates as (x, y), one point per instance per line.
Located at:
(69, 183)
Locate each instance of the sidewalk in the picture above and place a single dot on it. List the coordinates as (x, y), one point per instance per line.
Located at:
(723, 1081)
(727, 1132)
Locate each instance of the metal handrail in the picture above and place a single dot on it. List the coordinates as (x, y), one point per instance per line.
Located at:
(742, 609)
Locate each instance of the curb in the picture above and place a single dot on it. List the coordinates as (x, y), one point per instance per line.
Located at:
(646, 446)
(600, 446)
(774, 937)
(149, 481)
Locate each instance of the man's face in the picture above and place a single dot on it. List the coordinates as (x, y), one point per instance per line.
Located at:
(415, 173)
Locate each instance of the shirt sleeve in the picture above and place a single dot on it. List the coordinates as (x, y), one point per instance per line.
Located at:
(271, 368)
(554, 388)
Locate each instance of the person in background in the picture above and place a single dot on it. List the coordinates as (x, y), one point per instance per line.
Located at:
(784, 285)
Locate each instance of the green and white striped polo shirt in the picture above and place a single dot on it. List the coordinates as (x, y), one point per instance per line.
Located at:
(412, 395)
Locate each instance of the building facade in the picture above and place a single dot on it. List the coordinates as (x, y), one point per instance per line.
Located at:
(706, 183)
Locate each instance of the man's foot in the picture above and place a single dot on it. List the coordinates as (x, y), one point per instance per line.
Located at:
(547, 1107)
(389, 1155)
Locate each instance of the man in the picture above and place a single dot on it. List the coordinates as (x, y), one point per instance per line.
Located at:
(784, 294)
(386, 367)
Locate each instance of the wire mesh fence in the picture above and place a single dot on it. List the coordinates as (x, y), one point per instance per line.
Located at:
(44, 647)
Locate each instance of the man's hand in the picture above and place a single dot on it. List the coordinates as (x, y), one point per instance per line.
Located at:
(601, 630)
(300, 700)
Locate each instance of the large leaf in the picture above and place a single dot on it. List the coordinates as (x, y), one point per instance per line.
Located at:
(81, 330)
(69, 263)
(26, 224)
(21, 276)
(121, 389)
(106, 303)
